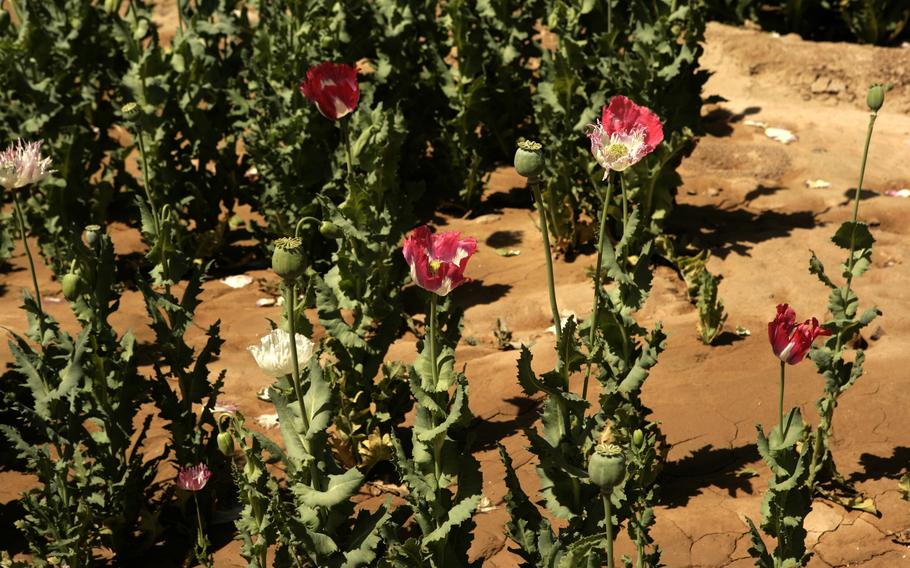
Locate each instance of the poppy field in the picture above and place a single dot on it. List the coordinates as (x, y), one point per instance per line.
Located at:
(399, 283)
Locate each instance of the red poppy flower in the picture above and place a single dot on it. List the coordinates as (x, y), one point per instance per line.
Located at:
(791, 342)
(625, 133)
(333, 87)
(438, 261)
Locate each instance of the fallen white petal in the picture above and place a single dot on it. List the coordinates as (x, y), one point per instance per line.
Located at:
(817, 184)
(267, 421)
(782, 135)
(898, 193)
(755, 123)
(265, 302)
(237, 281)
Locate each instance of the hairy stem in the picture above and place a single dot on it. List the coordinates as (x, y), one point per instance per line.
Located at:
(535, 187)
(31, 261)
(601, 235)
(608, 521)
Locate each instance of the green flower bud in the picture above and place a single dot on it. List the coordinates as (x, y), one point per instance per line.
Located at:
(226, 443)
(875, 98)
(529, 159)
(72, 286)
(638, 437)
(329, 230)
(288, 261)
(607, 467)
(91, 234)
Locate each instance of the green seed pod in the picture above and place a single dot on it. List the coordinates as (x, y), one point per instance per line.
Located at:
(638, 437)
(111, 6)
(329, 230)
(875, 98)
(529, 159)
(288, 260)
(72, 286)
(226, 443)
(91, 234)
(607, 467)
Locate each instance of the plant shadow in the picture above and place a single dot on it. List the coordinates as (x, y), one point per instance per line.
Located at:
(879, 467)
(726, 231)
(491, 432)
(707, 467)
(718, 121)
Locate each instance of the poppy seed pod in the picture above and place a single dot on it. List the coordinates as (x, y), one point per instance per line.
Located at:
(529, 159)
(288, 260)
(91, 234)
(226, 443)
(607, 467)
(72, 286)
(875, 98)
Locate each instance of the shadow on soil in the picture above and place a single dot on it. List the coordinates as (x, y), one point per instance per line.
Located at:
(718, 121)
(11, 540)
(880, 467)
(707, 467)
(490, 432)
(727, 231)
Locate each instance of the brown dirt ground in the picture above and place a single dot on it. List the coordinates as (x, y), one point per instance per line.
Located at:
(744, 194)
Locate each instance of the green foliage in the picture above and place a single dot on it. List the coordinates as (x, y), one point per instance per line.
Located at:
(309, 516)
(788, 499)
(440, 455)
(881, 22)
(594, 60)
(711, 315)
(78, 435)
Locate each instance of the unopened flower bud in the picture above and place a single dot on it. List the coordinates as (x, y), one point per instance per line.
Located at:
(329, 230)
(875, 98)
(638, 437)
(529, 159)
(226, 443)
(288, 261)
(607, 467)
(72, 286)
(92, 234)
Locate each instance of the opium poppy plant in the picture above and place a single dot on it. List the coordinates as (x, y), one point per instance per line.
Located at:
(791, 341)
(625, 133)
(438, 261)
(334, 89)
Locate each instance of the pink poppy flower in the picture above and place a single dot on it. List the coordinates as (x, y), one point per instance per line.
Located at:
(333, 87)
(22, 164)
(193, 478)
(791, 341)
(625, 134)
(438, 261)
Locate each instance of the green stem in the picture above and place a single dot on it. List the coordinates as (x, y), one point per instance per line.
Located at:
(346, 134)
(201, 545)
(431, 338)
(625, 205)
(856, 197)
(180, 16)
(608, 521)
(301, 222)
(291, 302)
(601, 235)
(780, 404)
(535, 186)
(31, 261)
(145, 180)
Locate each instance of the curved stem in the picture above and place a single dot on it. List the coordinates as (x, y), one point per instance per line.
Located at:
(608, 521)
(31, 261)
(535, 187)
(301, 222)
(602, 234)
